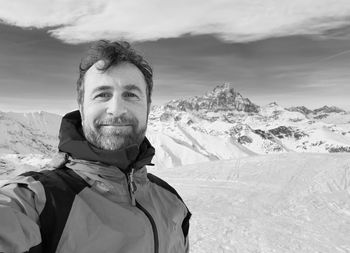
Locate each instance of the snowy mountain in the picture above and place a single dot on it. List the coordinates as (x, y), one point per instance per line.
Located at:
(221, 98)
(325, 109)
(219, 125)
(226, 114)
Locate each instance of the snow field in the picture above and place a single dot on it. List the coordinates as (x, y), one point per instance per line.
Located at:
(274, 203)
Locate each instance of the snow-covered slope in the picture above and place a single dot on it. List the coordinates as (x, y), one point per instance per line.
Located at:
(184, 145)
(26, 133)
(15, 164)
(292, 202)
(43, 121)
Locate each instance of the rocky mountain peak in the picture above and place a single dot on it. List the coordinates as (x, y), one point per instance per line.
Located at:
(302, 109)
(273, 104)
(225, 88)
(222, 98)
(324, 109)
(328, 109)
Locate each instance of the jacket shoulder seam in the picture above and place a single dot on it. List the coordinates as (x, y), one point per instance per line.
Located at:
(161, 183)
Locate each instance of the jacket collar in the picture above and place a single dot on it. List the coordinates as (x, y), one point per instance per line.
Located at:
(73, 142)
(93, 172)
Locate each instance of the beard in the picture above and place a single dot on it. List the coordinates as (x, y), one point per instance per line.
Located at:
(111, 137)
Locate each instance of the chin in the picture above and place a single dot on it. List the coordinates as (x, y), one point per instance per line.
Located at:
(117, 143)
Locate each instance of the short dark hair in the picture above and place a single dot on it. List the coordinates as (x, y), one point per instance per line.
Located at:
(113, 53)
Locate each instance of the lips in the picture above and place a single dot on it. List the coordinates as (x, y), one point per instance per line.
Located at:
(116, 125)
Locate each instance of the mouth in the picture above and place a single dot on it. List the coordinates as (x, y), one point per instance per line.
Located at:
(115, 125)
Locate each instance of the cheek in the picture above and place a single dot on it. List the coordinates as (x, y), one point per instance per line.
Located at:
(142, 115)
(91, 113)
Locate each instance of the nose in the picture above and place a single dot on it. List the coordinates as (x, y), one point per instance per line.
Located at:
(116, 106)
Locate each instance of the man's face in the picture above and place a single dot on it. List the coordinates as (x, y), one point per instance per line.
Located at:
(114, 110)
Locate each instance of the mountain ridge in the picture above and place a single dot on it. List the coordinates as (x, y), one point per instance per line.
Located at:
(221, 124)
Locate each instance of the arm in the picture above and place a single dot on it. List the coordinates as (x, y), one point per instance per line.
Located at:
(185, 229)
(187, 245)
(21, 202)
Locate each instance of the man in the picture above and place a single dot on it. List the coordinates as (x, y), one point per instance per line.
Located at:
(99, 196)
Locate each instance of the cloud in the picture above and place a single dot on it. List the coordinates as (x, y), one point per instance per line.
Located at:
(320, 84)
(232, 20)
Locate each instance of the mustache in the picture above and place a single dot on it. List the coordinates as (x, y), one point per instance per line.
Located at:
(120, 120)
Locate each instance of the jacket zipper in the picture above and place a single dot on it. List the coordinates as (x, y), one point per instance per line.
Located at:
(132, 190)
(132, 186)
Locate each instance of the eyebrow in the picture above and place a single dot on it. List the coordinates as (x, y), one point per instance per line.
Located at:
(101, 88)
(130, 87)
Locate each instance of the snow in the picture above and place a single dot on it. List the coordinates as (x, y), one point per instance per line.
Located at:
(178, 145)
(37, 160)
(337, 118)
(308, 134)
(335, 137)
(26, 133)
(15, 164)
(292, 202)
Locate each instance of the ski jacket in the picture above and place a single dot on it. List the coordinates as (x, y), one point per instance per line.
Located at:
(90, 206)
(66, 210)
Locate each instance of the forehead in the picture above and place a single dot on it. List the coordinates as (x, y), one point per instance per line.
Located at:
(118, 76)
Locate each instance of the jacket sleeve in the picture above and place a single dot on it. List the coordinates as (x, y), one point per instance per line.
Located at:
(185, 228)
(21, 202)
(187, 245)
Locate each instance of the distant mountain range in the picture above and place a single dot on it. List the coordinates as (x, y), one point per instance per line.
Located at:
(222, 124)
(325, 109)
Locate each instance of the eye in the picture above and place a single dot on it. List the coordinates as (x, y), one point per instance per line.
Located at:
(103, 95)
(130, 95)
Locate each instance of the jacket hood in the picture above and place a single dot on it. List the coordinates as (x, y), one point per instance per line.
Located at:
(73, 142)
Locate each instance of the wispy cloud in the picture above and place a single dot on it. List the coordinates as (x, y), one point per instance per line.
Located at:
(233, 20)
(331, 57)
(320, 84)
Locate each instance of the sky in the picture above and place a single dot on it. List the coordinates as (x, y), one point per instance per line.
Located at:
(289, 52)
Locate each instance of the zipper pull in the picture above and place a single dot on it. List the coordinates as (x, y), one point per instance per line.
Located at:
(132, 187)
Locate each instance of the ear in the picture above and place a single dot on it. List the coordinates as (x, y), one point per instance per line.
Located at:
(148, 108)
(81, 112)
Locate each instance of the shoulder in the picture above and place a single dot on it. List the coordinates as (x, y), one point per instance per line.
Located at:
(168, 188)
(163, 184)
(63, 179)
(49, 180)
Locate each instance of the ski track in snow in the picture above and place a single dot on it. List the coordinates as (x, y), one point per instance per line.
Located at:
(273, 203)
